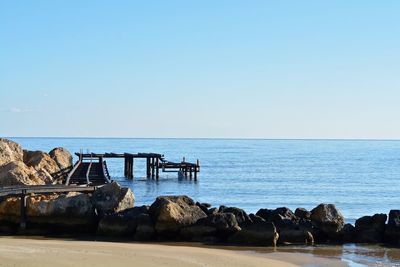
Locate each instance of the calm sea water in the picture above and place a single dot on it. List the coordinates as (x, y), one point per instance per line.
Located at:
(360, 177)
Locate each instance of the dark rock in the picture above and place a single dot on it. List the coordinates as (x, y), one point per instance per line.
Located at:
(260, 234)
(348, 233)
(295, 236)
(212, 211)
(199, 232)
(256, 219)
(303, 213)
(281, 217)
(394, 218)
(392, 230)
(266, 214)
(203, 207)
(145, 228)
(225, 223)
(328, 219)
(112, 198)
(122, 224)
(370, 229)
(172, 213)
(241, 215)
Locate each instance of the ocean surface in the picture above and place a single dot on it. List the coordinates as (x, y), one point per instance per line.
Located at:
(360, 177)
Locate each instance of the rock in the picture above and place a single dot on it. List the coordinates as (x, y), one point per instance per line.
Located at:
(40, 161)
(215, 227)
(225, 223)
(72, 211)
(392, 230)
(172, 213)
(241, 215)
(258, 234)
(17, 173)
(199, 233)
(302, 213)
(9, 152)
(295, 236)
(348, 233)
(266, 214)
(62, 157)
(328, 219)
(370, 229)
(145, 228)
(394, 218)
(212, 211)
(256, 219)
(281, 217)
(203, 207)
(121, 224)
(112, 198)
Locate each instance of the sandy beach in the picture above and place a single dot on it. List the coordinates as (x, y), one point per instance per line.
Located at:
(44, 252)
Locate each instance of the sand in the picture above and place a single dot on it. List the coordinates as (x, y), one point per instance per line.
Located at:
(49, 252)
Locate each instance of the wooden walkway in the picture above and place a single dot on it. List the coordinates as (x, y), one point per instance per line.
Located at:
(154, 164)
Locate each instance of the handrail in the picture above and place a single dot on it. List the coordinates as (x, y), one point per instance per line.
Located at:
(88, 172)
(73, 171)
(105, 171)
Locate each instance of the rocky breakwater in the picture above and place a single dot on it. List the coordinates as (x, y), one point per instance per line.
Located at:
(24, 167)
(60, 213)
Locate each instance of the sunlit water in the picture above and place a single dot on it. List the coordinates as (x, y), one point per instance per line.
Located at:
(360, 177)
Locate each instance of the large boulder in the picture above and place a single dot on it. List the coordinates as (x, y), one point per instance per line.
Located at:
(215, 227)
(261, 233)
(241, 215)
(17, 173)
(62, 157)
(122, 224)
(281, 217)
(302, 213)
(370, 229)
(47, 212)
(40, 161)
(171, 213)
(9, 151)
(112, 198)
(392, 230)
(295, 236)
(328, 219)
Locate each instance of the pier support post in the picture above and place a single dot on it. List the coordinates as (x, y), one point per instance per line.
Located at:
(152, 168)
(157, 168)
(125, 167)
(130, 167)
(22, 223)
(147, 167)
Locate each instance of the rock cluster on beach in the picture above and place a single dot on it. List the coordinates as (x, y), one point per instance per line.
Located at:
(24, 167)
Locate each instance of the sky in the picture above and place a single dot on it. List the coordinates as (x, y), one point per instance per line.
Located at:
(200, 69)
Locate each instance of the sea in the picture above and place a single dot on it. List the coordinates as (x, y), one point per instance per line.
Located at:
(361, 177)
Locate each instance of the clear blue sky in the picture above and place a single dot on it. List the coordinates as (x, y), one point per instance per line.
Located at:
(264, 69)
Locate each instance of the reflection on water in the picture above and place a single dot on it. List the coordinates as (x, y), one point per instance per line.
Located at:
(352, 254)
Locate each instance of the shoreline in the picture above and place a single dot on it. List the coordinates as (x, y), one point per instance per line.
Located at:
(40, 251)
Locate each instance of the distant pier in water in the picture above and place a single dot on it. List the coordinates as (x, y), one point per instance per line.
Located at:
(91, 168)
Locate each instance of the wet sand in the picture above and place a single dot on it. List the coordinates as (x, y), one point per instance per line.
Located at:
(56, 252)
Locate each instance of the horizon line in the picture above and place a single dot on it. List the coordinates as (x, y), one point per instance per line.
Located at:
(209, 138)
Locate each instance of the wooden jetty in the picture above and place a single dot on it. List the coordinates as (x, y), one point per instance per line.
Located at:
(154, 164)
(88, 171)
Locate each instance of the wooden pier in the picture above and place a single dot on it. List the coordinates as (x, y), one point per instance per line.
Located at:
(155, 163)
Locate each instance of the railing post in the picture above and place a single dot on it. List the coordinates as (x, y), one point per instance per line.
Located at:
(22, 223)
